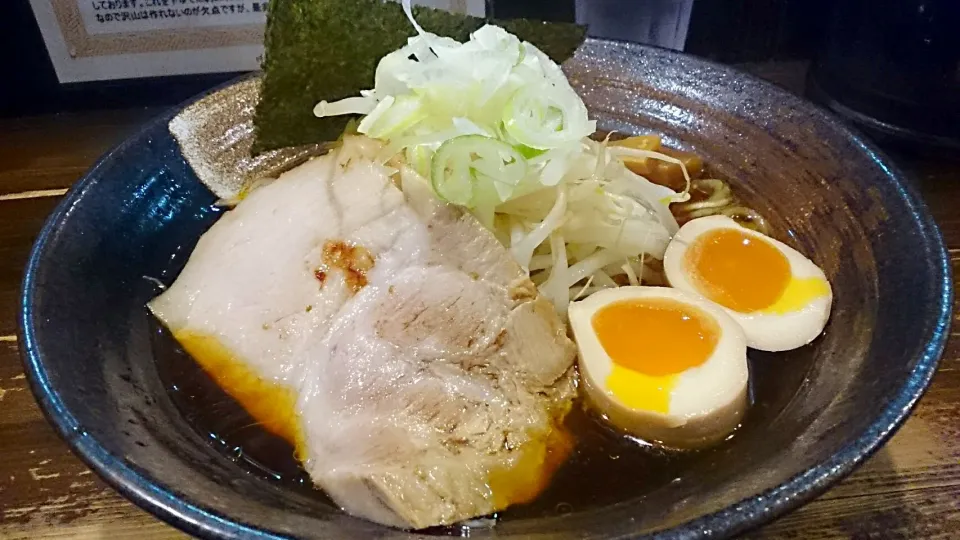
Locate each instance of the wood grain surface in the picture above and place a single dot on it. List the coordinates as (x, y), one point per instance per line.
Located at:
(910, 489)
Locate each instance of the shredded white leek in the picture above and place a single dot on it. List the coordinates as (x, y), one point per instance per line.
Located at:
(494, 126)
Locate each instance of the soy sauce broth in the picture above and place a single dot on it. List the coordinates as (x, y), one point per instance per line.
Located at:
(606, 467)
(217, 417)
(582, 483)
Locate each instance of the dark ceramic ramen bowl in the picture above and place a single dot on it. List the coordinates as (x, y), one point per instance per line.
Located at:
(819, 411)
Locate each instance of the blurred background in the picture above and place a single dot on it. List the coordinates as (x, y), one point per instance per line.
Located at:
(892, 67)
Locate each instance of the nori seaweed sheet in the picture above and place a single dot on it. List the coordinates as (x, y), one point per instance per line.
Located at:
(329, 49)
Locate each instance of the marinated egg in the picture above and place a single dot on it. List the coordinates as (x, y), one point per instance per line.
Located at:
(661, 364)
(780, 298)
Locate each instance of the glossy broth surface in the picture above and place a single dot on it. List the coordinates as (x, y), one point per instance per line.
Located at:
(605, 467)
(592, 477)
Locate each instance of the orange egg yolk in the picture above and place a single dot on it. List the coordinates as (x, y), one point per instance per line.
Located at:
(651, 341)
(739, 271)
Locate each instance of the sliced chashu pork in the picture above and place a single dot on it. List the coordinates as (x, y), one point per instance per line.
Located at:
(393, 340)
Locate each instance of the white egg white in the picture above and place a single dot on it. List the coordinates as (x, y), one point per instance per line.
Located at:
(707, 402)
(765, 331)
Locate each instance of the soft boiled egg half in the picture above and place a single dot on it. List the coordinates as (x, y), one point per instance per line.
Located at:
(661, 364)
(780, 298)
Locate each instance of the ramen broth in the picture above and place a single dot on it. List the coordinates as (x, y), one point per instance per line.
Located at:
(582, 483)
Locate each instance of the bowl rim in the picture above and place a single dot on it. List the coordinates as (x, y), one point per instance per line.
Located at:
(746, 514)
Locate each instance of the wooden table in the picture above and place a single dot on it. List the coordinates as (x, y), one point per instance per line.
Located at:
(910, 489)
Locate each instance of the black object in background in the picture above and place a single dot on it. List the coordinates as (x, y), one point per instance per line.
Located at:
(547, 10)
(893, 68)
(728, 31)
(732, 31)
(29, 76)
